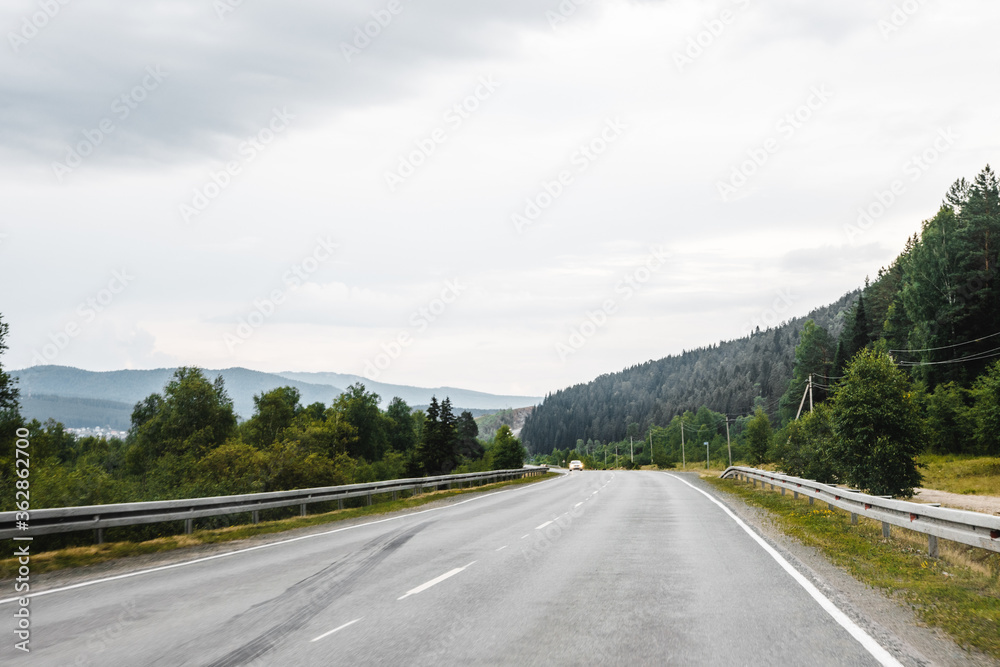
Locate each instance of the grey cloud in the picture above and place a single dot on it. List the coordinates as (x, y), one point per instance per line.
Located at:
(224, 75)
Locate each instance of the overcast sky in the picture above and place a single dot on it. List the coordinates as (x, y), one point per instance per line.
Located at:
(525, 193)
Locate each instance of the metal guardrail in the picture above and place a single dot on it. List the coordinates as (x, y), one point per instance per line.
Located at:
(99, 517)
(971, 528)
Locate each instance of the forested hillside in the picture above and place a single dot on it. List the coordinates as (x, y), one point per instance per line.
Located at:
(729, 377)
(935, 310)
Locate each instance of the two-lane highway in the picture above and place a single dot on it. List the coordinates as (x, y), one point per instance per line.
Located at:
(588, 568)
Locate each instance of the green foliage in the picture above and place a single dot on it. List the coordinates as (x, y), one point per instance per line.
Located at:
(401, 434)
(273, 413)
(803, 448)
(507, 452)
(813, 356)
(727, 377)
(436, 449)
(8, 389)
(986, 411)
(360, 408)
(758, 438)
(949, 288)
(950, 421)
(173, 450)
(877, 426)
(467, 444)
(192, 417)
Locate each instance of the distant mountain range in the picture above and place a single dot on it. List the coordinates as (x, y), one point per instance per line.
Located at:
(82, 399)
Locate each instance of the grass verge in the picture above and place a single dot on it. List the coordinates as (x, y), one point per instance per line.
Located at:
(958, 592)
(50, 561)
(970, 475)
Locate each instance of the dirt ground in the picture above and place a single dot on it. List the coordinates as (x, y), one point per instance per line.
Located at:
(985, 504)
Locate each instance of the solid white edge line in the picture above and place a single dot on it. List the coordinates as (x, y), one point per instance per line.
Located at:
(172, 566)
(327, 634)
(866, 640)
(434, 582)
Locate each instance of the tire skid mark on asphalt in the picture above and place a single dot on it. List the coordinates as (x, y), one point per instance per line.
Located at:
(455, 571)
(275, 619)
(226, 554)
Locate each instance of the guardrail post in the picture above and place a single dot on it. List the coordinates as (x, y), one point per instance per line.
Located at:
(302, 509)
(369, 499)
(854, 519)
(886, 528)
(100, 535)
(811, 499)
(782, 489)
(932, 546)
(795, 494)
(830, 506)
(340, 503)
(256, 516)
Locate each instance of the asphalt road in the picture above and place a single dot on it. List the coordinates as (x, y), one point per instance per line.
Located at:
(590, 568)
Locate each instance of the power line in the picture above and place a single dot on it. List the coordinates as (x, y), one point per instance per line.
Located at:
(947, 347)
(988, 354)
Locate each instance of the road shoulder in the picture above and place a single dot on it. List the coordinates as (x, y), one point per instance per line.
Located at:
(892, 624)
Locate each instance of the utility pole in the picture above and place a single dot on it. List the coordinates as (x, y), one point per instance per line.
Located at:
(706, 456)
(631, 447)
(810, 393)
(729, 444)
(683, 459)
(803, 401)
